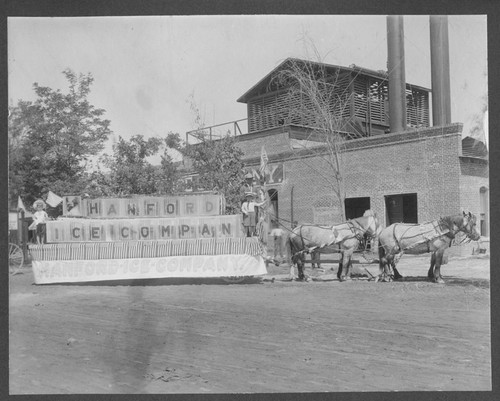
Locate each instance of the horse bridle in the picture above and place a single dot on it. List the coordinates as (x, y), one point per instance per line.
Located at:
(360, 229)
(465, 227)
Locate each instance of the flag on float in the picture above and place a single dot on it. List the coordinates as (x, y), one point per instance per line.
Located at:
(20, 204)
(53, 200)
(263, 161)
(485, 128)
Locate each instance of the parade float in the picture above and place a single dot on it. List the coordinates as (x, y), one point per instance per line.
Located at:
(145, 237)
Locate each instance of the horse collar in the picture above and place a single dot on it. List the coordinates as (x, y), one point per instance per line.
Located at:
(355, 230)
(450, 226)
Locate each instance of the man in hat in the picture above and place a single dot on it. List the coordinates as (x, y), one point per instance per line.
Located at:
(249, 213)
(248, 186)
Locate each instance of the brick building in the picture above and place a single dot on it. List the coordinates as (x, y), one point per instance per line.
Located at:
(411, 176)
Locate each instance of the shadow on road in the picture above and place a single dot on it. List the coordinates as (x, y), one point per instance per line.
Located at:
(450, 280)
(475, 282)
(161, 282)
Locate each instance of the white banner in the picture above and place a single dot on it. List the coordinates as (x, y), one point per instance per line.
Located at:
(153, 206)
(72, 271)
(99, 230)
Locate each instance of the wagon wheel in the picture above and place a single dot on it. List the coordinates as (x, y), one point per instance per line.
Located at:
(16, 258)
(234, 279)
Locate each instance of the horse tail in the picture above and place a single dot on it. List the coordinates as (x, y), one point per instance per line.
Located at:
(290, 250)
(382, 258)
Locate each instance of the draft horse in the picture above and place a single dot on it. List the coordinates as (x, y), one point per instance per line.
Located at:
(433, 237)
(347, 236)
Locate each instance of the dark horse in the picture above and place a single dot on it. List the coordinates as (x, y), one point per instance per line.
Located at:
(347, 236)
(434, 237)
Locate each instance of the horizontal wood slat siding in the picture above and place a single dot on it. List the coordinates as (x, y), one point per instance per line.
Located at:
(417, 108)
(369, 97)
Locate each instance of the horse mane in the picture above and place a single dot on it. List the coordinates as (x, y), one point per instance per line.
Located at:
(450, 221)
(370, 213)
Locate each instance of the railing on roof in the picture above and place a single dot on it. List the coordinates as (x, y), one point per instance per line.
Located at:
(231, 128)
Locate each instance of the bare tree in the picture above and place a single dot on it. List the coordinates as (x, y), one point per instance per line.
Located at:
(217, 160)
(318, 100)
(478, 130)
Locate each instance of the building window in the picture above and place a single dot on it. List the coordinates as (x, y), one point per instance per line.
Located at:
(356, 207)
(401, 209)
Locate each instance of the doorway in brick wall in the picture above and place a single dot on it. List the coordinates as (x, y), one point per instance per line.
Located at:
(356, 207)
(273, 207)
(401, 208)
(484, 212)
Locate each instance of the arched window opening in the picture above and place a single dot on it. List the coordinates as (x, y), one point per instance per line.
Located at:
(484, 211)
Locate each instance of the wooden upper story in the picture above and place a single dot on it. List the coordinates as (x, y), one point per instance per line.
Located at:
(356, 97)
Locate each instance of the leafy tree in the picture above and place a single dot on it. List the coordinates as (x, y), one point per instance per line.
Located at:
(170, 181)
(132, 173)
(220, 167)
(52, 139)
(99, 184)
(218, 162)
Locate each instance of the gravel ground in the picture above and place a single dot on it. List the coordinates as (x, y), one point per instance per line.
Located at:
(265, 335)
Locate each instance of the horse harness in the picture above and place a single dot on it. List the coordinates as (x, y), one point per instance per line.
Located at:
(357, 232)
(306, 249)
(436, 229)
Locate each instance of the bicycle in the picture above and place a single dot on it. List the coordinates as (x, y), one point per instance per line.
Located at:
(16, 258)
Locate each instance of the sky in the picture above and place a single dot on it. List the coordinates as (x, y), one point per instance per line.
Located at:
(146, 68)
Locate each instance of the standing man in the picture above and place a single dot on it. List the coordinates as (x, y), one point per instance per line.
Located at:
(248, 186)
(248, 208)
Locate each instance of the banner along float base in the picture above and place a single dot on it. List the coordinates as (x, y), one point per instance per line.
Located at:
(196, 266)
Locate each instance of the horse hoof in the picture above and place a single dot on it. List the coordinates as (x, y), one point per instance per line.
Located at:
(439, 281)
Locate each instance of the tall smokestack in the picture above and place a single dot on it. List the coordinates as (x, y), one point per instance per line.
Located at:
(440, 70)
(396, 70)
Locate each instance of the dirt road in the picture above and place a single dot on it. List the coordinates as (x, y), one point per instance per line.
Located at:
(264, 335)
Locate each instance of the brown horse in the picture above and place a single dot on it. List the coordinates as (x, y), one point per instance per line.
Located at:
(434, 237)
(347, 236)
